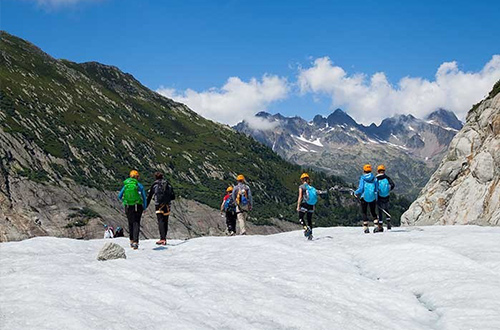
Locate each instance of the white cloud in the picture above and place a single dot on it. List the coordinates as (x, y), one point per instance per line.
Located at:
(235, 101)
(261, 123)
(370, 99)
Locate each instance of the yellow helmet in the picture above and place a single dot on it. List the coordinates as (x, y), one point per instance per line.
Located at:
(304, 176)
(380, 168)
(240, 178)
(229, 189)
(134, 174)
(367, 168)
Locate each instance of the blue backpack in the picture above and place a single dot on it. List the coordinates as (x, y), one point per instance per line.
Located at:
(384, 188)
(312, 195)
(369, 193)
(229, 205)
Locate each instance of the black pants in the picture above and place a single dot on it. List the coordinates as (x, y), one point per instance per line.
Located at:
(383, 203)
(231, 221)
(364, 209)
(162, 214)
(306, 209)
(134, 213)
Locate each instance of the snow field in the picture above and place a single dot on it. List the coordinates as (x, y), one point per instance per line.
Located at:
(410, 278)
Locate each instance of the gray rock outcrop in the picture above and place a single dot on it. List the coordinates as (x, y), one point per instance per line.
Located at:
(465, 188)
(111, 251)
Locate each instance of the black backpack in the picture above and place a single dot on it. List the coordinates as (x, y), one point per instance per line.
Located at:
(164, 193)
(119, 232)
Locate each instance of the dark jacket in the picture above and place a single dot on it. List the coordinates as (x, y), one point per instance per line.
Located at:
(153, 192)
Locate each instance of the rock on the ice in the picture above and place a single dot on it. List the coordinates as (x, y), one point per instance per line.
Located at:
(111, 251)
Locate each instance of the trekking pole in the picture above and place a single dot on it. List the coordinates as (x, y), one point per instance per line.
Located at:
(357, 198)
(386, 213)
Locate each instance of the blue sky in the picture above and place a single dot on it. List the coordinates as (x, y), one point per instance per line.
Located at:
(199, 45)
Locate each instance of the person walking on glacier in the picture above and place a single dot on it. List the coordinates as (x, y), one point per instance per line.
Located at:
(242, 195)
(367, 194)
(134, 199)
(385, 185)
(306, 204)
(164, 195)
(228, 206)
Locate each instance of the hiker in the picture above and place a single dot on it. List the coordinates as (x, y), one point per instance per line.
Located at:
(242, 195)
(306, 204)
(385, 185)
(133, 197)
(119, 232)
(108, 232)
(367, 193)
(229, 207)
(164, 195)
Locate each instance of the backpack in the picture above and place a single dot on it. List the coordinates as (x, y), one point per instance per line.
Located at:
(131, 194)
(242, 197)
(119, 232)
(369, 193)
(164, 193)
(229, 205)
(384, 188)
(311, 194)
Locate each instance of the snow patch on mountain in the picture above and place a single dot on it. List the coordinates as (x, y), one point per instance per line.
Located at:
(411, 278)
(316, 142)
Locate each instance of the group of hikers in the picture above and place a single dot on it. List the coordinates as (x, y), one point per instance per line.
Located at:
(373, 193)
(110, 232)
(133, 197)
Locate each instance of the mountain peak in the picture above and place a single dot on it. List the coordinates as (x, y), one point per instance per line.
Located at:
(340, 117)
(263, 114)
(445, 118)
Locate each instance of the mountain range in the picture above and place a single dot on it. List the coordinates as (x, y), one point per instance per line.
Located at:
(411, 148)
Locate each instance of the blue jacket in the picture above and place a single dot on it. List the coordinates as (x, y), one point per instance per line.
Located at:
(370, 178)
(141, 191)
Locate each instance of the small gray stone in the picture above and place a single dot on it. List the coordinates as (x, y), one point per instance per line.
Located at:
(111, 251)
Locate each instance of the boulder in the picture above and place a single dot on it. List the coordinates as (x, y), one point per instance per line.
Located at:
(111, 251)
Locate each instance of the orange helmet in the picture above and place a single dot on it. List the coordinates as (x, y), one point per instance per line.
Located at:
(380, 168)
(134, 174)
(240, 178)
(304, 176)
(367, 168)
(229, 189)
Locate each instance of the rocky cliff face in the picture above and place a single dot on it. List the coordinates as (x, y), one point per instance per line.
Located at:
(465, 188)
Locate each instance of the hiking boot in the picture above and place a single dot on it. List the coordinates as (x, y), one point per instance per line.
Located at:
(134, 245)
(232, 233)
(378, 229)
(389, 224)
(161, 242)
(307, 231)
(365, 227)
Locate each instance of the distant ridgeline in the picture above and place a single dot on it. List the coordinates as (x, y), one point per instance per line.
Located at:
(93, 123)
(410, 147)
